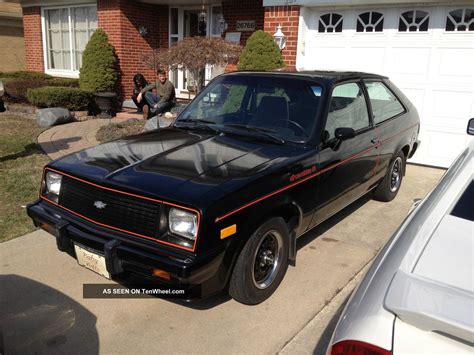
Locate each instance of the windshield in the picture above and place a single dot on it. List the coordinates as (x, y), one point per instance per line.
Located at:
(278, 107)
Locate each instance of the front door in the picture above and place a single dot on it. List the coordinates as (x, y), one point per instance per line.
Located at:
(348, 167)
(193, 21)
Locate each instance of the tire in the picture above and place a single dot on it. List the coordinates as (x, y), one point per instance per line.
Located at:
(390, 185)
(262, 263)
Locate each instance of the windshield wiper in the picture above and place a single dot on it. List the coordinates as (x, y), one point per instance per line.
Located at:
(264, 132)
(197, 124)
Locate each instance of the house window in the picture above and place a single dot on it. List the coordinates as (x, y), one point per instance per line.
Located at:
(414, 21)
(370, 22)
(460, 20)
(329, 23)
(66, 32)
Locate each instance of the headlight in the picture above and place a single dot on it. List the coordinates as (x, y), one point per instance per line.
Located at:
(53, 183)
(183, 223)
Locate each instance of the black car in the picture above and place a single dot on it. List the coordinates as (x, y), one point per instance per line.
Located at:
(217, 201)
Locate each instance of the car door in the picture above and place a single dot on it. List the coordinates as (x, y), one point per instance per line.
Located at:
(346, 167)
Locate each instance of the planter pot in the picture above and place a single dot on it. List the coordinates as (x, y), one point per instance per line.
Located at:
(106, 102)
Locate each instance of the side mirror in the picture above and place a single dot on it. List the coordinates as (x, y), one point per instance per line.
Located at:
(470, 127)
(344, 133)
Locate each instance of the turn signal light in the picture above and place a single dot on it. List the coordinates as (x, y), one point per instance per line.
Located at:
(160, 273)
(354, 347)
(48, 228)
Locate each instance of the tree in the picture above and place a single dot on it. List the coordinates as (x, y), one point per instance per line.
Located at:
(261, 53)
(193, 54)
(98, 72)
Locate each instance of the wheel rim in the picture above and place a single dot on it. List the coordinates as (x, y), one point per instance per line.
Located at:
(396, 174)
(267, 259)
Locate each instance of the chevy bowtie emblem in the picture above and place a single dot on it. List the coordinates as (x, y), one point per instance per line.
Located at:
(100, 205)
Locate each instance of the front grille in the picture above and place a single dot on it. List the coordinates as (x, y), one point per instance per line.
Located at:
(129, 213)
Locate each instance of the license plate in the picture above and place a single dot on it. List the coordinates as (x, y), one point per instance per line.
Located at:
(91, 261)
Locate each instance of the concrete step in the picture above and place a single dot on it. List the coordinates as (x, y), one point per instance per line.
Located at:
(127, 114)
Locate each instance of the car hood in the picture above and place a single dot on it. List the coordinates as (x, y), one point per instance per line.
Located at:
(173, 163)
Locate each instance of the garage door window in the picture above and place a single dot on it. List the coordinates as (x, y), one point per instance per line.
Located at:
(370, 22)
(460, 20)
(347, 109)
(384, 103)
(414, 21)
(329, 23)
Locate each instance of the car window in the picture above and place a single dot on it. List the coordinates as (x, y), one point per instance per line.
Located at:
(384, 103)
(285, 107)
(221, 100)
(347, 108)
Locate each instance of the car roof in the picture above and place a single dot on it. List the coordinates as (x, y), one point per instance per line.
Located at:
(324, 75)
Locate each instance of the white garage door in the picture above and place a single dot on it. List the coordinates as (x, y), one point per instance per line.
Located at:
(428, 52)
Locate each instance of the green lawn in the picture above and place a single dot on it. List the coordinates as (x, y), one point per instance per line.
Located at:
(21, 164)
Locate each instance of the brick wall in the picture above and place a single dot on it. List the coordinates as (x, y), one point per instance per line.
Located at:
(288, 18)
(243, 10)
(33, 38)
(121, 20)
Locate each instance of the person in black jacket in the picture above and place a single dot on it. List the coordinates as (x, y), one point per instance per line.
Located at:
(139, 83)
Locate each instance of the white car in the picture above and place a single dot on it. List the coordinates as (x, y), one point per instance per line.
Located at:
(418, 296)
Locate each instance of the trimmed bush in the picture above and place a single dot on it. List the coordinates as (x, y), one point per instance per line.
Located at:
(260, 53)
(74, 99)
(72, 83)
(25, 74)
(98, 64)
(16, 88)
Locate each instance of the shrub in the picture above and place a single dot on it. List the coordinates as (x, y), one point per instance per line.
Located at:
(98, 64)
(16, 89)
(25, 74)
(260, 53)
(72, 83)
(55, 96)
(193, 54)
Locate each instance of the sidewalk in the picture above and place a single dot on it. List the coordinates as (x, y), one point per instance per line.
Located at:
(68, 138)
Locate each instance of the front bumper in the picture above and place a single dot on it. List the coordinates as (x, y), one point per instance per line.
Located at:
(124, 255)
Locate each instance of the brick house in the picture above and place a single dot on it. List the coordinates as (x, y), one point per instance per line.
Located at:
(425, 46)
(56, 32)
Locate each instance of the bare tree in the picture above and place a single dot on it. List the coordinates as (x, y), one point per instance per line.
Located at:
(193, 54)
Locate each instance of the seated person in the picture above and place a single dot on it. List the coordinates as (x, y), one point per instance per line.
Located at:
(163, 100)
(139, 82)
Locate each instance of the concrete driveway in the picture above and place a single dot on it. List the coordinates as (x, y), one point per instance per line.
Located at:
(42, 309)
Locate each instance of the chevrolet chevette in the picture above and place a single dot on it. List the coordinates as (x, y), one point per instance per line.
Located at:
(217, 201)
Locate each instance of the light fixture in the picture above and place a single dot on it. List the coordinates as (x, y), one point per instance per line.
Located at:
(222, 24)
(143, 31)
(202, 15)
(279, 38)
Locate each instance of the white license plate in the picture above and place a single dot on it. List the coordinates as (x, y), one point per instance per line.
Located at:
(92, 261)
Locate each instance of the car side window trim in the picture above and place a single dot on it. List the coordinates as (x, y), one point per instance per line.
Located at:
(369, 103)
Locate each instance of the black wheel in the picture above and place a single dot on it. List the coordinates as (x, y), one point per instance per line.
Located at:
(261, 264)
(390, 185)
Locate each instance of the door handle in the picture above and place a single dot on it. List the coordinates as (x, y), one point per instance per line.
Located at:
(374, 141)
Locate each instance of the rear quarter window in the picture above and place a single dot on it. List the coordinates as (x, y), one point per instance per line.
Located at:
(385, 104)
